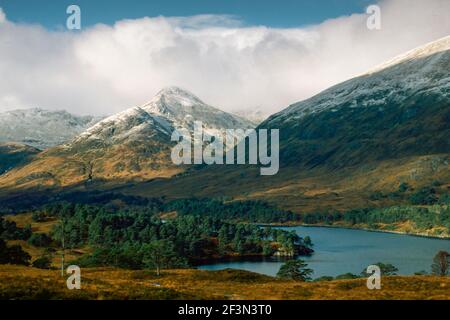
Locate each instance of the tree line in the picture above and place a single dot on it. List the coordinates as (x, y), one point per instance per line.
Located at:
(422, 217)
(136, 239)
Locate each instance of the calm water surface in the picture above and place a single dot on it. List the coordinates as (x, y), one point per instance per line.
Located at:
(339, 251)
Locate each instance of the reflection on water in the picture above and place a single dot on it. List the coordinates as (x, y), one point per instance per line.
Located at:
(339, 251)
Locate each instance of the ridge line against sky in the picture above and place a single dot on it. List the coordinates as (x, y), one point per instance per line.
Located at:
(227, 62)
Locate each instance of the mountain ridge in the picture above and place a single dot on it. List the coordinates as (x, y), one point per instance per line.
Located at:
(338, 94)
(400, 110)
(37, 127)
(365, 135)
(368, 134)
(132, 144)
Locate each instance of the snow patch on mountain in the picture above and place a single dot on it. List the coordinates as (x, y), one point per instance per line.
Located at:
(42, 128)
(255, 115)
(183, 108)
(423, 71)
(133, 123)
(426, 50)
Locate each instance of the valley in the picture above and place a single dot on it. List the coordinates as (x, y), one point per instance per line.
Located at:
(112, 274)
(337, 148)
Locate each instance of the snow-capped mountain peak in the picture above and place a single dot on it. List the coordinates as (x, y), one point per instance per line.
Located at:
(176, 104)
(183, 108)
(176, 94)
(426, 50)
(171, 108)
(420, 72)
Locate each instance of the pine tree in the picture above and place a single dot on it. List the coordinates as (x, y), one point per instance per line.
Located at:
(295, 270)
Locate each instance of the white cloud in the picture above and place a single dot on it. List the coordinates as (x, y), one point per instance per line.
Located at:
(2, 16)
(105, 69)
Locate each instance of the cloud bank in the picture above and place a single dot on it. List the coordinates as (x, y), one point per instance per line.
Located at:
(105, 69)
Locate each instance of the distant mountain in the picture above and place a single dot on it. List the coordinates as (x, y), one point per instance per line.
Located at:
(134, 144)
(254, 115)
(42, 128)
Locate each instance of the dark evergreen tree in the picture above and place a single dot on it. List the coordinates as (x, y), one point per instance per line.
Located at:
(295, 270)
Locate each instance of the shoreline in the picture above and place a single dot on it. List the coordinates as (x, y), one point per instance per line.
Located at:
(420, 235)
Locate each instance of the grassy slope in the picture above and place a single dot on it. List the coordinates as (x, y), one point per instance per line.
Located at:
(59, 167)
(24, 219)
(14, 154)
(302, 190)
(105, 283)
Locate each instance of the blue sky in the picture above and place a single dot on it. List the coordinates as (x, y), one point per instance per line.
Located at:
(273, 13)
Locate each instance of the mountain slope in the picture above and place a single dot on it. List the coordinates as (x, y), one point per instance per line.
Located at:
(423, 70)
(13, 155)
(400, 109)
(42, 128)
(134, 144)
(368, 134)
